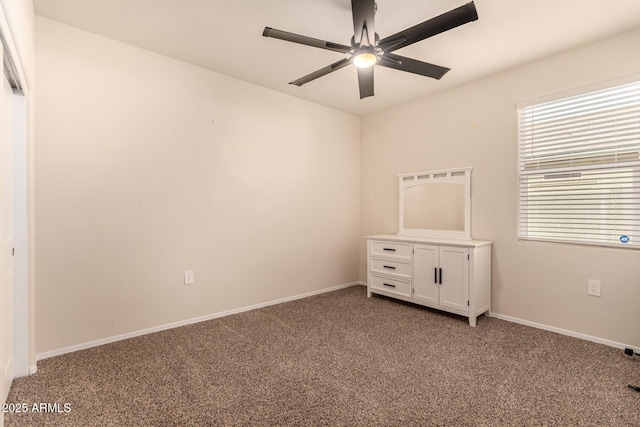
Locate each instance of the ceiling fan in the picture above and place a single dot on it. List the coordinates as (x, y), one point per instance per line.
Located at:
(367, 49)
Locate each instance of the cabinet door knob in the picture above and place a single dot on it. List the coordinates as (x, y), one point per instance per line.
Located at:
(389, 285)
(435, 275)
(440, 270)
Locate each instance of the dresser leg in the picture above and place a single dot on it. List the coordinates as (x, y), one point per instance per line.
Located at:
(472, 321)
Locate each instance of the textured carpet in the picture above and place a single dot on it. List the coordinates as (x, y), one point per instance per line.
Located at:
(338, 359)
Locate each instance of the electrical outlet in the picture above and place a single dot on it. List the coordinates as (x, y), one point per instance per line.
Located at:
(593, 287)
(188, 277)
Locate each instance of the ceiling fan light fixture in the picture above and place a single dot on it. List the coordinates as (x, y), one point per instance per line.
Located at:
(364, 59)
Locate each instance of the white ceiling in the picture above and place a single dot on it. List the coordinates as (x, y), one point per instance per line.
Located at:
(226, 36)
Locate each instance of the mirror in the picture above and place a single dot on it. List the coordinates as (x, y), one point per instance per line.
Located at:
(436, 204)
(424, 204)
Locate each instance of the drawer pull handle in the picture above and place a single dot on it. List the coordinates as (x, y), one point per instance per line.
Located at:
(388, 249)
(389, 267)
(391, 286)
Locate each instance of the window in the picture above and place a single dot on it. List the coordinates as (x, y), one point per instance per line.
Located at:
(580, 168)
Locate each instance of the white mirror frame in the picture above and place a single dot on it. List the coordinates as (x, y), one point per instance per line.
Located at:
(460, 176)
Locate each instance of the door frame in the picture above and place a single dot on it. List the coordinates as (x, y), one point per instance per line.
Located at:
(23, 296)
(20, 240)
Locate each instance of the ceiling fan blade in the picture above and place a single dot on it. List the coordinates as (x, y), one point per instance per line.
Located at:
(439, 24)
(364, 16)
(308, 41)
(322, 72)
(365, 81)
(414, 66)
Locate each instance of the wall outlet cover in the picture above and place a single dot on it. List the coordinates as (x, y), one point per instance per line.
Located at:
(188, 277)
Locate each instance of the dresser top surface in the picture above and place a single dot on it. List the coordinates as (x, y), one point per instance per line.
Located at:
(430, 240)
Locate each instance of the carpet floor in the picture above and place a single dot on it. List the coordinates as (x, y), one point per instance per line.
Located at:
(337, 359)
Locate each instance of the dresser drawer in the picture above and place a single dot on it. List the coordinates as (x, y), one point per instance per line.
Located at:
(392, 286)
(390, 249)
(393, 268)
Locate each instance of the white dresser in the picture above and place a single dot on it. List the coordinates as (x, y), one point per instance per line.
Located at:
(447, 274)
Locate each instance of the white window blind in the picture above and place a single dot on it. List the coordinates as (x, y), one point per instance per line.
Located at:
(580, 168)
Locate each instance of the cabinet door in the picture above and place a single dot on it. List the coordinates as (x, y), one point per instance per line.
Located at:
(425, 264)
(454, 290)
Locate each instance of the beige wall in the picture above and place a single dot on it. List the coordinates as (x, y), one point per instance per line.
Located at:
(475, 125)
(147, 166)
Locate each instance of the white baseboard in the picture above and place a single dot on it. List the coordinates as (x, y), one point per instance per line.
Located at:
(556, 330)
(562, 331)
(134, 334)
(65, 350)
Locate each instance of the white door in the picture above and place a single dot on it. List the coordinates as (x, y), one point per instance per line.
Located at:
(6, 237)
(425, 264)
(454, 290)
